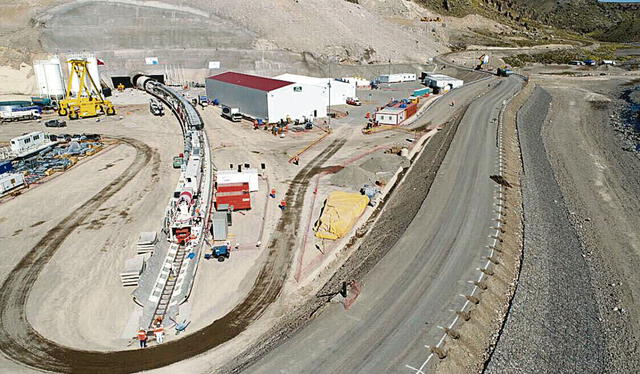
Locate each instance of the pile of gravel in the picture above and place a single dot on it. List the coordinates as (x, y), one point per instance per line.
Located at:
(377, 167)
(384, 162)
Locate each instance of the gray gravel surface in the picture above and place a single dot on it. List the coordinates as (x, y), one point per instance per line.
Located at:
(427, 259)
(601, 191)
(554, 323)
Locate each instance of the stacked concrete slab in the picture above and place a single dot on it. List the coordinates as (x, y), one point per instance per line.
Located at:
(133, 267)
(147, 242)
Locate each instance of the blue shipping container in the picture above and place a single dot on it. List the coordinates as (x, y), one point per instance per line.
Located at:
(6, 167)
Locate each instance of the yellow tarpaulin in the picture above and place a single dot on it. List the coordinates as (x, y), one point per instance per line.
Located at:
(341, 211)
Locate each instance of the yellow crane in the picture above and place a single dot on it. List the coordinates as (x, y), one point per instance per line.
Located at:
(88, 101)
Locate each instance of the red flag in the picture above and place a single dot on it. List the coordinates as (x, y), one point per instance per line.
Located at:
(100, 62)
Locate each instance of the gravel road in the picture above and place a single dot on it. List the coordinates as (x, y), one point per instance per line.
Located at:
(554, 323)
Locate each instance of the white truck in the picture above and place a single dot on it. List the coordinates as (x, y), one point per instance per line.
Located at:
(233, 114)
(19, 115)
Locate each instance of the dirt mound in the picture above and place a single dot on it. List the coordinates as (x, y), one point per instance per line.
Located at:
(383, 162)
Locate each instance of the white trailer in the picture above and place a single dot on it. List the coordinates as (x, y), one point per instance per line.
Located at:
(397, 78)
(10, 181)
(390, 116)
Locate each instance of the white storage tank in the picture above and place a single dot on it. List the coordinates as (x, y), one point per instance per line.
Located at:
(92, 66)
(49, 78)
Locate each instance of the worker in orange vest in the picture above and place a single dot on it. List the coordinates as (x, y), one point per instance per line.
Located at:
(273, 193)
(158, 331)
(142, 337)
(283, 204)
(296, 160)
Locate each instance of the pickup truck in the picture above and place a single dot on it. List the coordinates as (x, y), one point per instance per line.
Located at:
(353, 101)
(204, 100)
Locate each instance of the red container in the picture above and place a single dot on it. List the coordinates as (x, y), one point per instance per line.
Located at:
(238, 202)
(234, 194)
(410, 110)
(232, 187)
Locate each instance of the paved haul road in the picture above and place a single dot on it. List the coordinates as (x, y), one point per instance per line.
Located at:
(416, 285)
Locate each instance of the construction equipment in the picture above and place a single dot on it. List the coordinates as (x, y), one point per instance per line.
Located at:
(374, 127)
(431, 19)
(155, 107)
(203, 100)
(221, 252)
(88, 101)
(177, 161)
(504, 71)
(233, 114)
(484, 59)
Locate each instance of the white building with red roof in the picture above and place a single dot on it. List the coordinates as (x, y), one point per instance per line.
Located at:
(266, 98)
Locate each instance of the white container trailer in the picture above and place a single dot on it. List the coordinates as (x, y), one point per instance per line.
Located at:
(397, 78)
(441, 81)
(29, 141)
(390, 116)
(10, 181)
(49, 77)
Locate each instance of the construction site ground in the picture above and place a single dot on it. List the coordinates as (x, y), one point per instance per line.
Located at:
(78, 300)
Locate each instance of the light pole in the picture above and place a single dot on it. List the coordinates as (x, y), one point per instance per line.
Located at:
(329, 85)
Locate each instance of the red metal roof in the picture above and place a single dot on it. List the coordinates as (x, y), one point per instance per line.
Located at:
(251, 81)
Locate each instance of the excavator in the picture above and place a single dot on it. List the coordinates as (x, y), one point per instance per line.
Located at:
(88, 101)
(484, 59)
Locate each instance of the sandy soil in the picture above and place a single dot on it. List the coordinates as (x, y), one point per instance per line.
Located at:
(78, 300)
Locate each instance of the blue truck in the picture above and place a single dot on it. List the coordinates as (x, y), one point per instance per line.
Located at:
(221, 252)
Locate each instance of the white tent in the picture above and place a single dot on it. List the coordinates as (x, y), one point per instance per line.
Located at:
(246, 176)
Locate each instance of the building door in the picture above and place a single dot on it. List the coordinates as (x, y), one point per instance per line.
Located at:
(315, 113)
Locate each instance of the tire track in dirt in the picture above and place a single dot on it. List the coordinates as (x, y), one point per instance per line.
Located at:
(23, 344)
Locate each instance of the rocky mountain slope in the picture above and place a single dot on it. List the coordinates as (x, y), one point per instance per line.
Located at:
(605, 21)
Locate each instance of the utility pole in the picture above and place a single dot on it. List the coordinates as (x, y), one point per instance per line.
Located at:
(329, 111)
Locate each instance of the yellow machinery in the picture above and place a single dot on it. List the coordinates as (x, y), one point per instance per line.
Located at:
(88, 101)
(370, 129)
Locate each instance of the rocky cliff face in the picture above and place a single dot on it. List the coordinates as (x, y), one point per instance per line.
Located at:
(605, 21)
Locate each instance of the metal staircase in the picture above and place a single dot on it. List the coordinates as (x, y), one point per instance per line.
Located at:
(167, 291)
